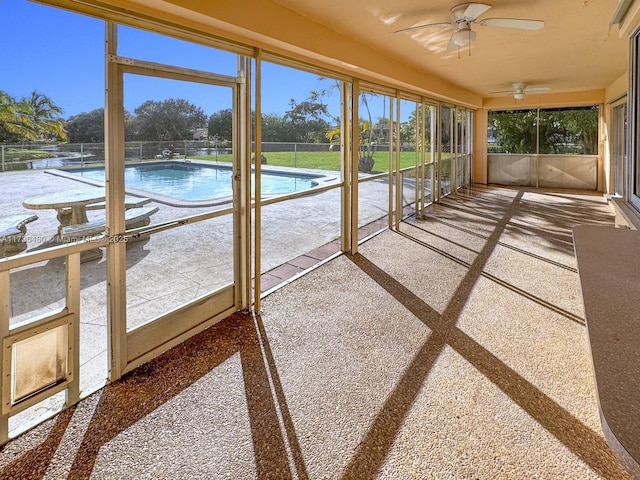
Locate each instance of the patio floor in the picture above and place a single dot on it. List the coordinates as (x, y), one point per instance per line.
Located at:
(455, 348)
(169, 269)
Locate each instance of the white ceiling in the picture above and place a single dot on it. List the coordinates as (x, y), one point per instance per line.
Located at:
(577, 50)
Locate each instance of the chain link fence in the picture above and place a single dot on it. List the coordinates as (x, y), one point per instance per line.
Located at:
(38, 156)
(34, 156)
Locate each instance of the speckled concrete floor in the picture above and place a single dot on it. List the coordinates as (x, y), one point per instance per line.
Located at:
(452, 349)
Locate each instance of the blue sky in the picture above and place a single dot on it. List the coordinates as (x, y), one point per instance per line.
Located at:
(60, 54)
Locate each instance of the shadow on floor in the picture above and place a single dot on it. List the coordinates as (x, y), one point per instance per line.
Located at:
(276, 449)
(378, 441)
(123, 403)
(374, 448)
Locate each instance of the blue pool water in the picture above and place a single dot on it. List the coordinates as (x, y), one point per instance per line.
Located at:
(191, 181)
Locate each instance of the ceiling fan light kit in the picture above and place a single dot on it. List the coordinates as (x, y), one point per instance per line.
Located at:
(463, 15)
(463, 37)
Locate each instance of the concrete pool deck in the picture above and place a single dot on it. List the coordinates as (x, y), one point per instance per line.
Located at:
(168, 270)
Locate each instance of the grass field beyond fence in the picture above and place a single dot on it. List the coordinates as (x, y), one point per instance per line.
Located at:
(31, 158)
(319, 160)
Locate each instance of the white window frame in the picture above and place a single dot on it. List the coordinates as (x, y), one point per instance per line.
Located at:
(632, 196)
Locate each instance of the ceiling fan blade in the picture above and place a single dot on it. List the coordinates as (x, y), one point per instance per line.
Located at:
(474, 10)
(536, 89)
(512, 23)
(502, 92)
(428, 25)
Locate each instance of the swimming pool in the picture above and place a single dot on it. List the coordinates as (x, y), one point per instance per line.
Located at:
(196, 181)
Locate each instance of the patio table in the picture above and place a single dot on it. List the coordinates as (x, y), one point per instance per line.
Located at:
(71, 205)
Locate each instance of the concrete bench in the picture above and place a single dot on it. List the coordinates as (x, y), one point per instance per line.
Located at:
(12, 232)
(134, 218)
(129, 202)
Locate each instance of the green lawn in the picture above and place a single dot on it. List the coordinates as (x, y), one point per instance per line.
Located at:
(325, 160)
(318, 160)
(23, 155)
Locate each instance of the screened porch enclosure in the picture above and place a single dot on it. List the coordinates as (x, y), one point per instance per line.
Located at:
(165, 261)
(554, 148)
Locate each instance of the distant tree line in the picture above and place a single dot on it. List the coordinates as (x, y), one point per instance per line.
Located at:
(37, 118)
(166, 120)
(177, 119)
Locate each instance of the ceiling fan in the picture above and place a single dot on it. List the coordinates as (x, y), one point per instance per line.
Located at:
(518, 90)
(463, 15)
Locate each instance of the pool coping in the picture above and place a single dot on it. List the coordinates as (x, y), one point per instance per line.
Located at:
(325, 177)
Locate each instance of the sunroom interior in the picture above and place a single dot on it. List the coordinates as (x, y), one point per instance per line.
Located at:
(247, 333)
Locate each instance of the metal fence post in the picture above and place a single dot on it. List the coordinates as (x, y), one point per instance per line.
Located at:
(82, 154)
(3, 158)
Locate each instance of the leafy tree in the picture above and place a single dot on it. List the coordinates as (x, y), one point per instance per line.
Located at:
(381, 129)
(43, 116)
(306, 122)
(515, 131)
(583, 125)
(274, 128)
(409, 129)
(31, 118)
(221, 124)
(407, 135)
(172, 119)
(8, 117)
(87, 127)
(569, 130)
(552, 132)
(300, 125)
(367, 137)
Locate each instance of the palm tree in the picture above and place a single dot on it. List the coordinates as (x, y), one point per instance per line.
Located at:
(7, 116)
(33, 118)
(368, 141)
(43, 116)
